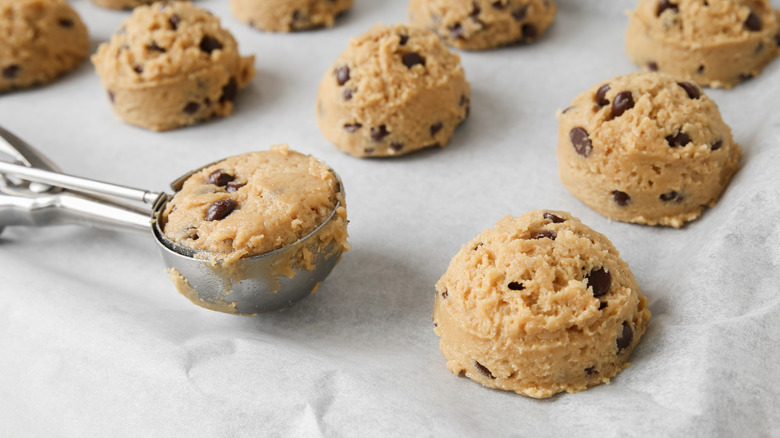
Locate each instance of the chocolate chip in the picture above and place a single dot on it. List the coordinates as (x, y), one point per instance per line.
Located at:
(234, 187)
(219, 178)
(621, 198)
(348, 94)
(519, 14)
(548, 234)
(396, 146)
(555, 219)
(670, 196)
(412, 58)
(679, 139)
(352, 127)
(377, 134)
(191, 108)
(652, 66)
(138, 69)
(692, 90)
(403, 39)
(625, 337)
(111, 96)
(463, 100)
(601, 95)
(174, 21)
(444, 295)
(590, 370)
(599, 280)
(529, 31)
(513, 285)
(700, 70)
(229, 91)
(745, 76)
(435, 128)
(664, 5)
(457, 31)
(209, 44)
(369, 151)
(717, 144)
(342, 75)
(220, 209)
(753, 22)
(475, 9)
(66, 23)
(580, 140)
(623, 102)
(486, 372)
(498, 5)
(154, 47)
(568, 108)
(602, 305)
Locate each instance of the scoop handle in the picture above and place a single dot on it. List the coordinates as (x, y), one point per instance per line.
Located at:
(69, 208)
(78, 184)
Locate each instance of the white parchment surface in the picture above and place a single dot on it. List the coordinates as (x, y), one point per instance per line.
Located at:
(95, 341)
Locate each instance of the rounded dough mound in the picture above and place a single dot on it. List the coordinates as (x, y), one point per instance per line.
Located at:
(538, 305)
(172, 65)
(39, 41)
(255, 203)
(288, 15)
(394, 90)
(716, 43)
(646, 148)
(122, 4)
(483, 24)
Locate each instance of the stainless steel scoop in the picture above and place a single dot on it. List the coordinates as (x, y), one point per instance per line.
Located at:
(33, 192)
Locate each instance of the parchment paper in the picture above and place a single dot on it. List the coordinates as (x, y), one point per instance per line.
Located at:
(95, 341)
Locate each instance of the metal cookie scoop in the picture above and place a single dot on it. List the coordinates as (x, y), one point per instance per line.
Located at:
(34, 193)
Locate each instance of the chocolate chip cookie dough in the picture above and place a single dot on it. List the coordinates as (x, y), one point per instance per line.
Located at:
(122, 4)
(646, 148)
(538, 305)
(483, 24)
(394, 90)
(288, 15)
(716, 43)
(172, 65)
(39, 41)
(255, 203)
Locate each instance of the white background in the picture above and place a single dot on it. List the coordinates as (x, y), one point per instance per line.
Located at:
(95, 341)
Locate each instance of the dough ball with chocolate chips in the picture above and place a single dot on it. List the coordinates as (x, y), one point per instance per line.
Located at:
(716, 43)
(646, 148)
(172, 65)
(394, 90)
(483, 24)
(288, 15)
(539, 304)
(255, 203)
(122, 4)
(39, 41)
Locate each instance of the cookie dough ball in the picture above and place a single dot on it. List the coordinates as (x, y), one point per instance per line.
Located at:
(716, 43)
(646, 148)
(122, 4)
(288, 15)
(39, 41)
(172, 65)
(483, 24)
(394, 90)
(256, 203)
(538, 305)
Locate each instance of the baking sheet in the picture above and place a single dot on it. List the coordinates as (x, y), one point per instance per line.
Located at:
(95, 341)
